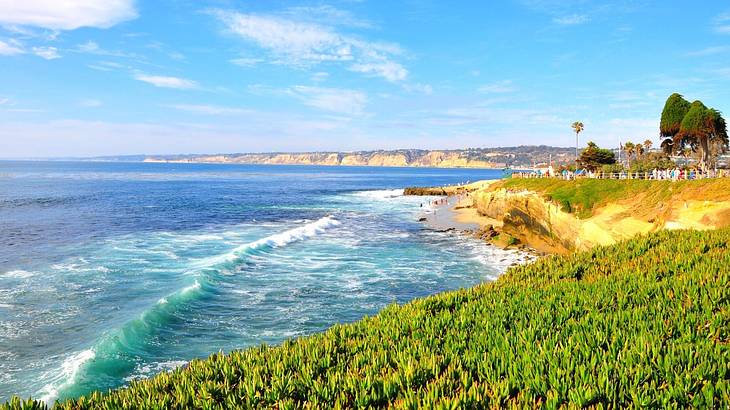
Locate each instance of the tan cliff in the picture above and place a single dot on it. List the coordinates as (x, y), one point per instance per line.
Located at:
(534, 219)
(542, 224)
(406, 158)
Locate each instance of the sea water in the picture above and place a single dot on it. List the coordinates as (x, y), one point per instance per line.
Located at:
(111, 272)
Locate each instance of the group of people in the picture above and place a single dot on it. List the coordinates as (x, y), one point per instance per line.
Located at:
(656, 174)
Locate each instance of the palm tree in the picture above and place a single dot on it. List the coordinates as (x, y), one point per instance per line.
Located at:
(578, 128)
(639, 150)
(648, 144)
(629, 150)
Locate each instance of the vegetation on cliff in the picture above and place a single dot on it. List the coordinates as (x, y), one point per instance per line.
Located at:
(644, 323)
(584, 196)
(593, 157)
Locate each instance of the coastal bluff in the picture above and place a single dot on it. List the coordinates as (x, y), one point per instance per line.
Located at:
(563, 216)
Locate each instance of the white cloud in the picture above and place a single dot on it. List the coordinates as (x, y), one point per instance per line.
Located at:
(709, 51)
(211, 109)
(106, 66)
(342, 101)
(320, 76)
(91, 103)
(722, 23)
(66, 14)
(92, 47)
(419, 88)
(326, 14)
(7, 49)
(247, 61)
(571, 20)
(88, 47)
(498, 87)
(166, 81)
(389, 70)
(301, 43)
(49, 53)
(4, 101)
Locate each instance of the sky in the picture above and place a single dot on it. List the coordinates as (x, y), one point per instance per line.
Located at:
(113, 77)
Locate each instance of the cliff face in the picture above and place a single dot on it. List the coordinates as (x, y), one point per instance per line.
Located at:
(534, 220)
(437, 159)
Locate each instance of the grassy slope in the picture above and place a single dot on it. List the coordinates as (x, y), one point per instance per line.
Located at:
(585, 195)
(642, 323)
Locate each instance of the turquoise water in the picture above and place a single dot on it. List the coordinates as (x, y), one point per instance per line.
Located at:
(111, 272)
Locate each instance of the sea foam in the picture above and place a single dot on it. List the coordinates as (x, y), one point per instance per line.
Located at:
(274, 241)
(381, 194)
(66, 375)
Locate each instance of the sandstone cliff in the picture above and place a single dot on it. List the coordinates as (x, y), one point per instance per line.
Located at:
(543, 224)
(437, 159)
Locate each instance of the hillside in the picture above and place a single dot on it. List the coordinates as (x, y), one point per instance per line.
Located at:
(517, 157)
(640, 324)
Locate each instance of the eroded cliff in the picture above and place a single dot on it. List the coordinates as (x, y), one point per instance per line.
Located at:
(535, 219)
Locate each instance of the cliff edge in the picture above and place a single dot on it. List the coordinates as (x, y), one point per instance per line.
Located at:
(558, 216)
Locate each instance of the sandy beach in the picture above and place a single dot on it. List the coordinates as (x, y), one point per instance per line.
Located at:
(456, 210)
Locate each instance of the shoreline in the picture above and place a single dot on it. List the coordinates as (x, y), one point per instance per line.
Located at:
(457, 213)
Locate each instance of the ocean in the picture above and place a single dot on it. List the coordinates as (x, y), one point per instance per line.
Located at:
(111, 272)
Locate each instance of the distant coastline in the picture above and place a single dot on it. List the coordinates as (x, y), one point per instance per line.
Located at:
(487, 158)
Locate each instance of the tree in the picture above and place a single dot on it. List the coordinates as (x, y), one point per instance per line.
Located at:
(629, 150)
(648, 144)
(675, 109)
(593, 157)
(651, 161)
(717, 137)
(639, 151)
(578, 128)
(698, 128)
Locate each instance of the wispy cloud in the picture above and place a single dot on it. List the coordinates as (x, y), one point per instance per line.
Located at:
(320, 76)
(498, 87)
(389, 70)
(247, 61)
(326, 14)
(722, 23)
(571, 20)
(302, 43)
(211, 109)
(66, 14)
(92, 47)
(166, 81)
(48, 53)
(107, 66)
(7, 49)
(337, 100)
(709, 51)
(419, 88)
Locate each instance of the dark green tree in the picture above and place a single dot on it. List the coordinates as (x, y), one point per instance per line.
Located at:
(674, 112)
(718, 139)
(593, 157)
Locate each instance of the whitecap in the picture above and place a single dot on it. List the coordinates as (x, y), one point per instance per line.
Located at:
(19, 274)
(274, 241)
(382, 194)
(66, 375)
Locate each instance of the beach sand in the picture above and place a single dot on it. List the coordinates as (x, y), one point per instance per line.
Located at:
(459, 213)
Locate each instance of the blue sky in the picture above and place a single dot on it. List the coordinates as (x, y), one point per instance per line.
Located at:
(92, 77)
